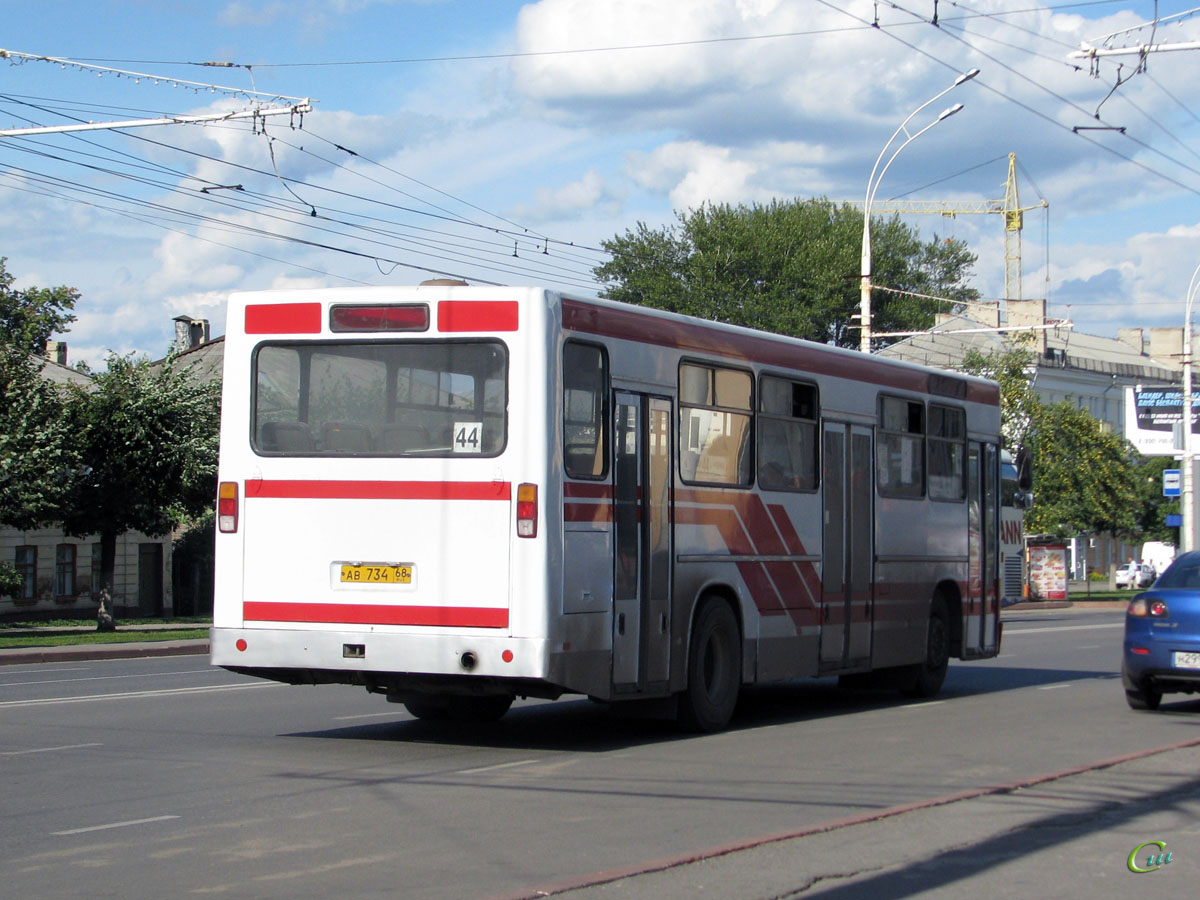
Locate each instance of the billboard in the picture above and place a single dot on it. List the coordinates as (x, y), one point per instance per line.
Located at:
(1151, 414)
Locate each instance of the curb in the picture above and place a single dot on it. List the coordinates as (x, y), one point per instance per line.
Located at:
(102, 651)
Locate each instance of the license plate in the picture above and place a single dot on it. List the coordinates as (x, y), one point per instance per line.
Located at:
(1184, 660)
(385, 574)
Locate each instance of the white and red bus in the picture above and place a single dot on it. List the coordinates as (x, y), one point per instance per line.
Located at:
(455, 496)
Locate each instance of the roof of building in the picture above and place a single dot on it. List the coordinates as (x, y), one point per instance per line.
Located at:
(945, 345)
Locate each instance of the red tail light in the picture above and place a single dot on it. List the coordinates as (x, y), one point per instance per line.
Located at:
(527, 510)
(227, 506)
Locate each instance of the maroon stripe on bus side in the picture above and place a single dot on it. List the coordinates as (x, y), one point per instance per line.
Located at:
(378, 490)
(283, 318)
(632, 325)
(372, 614)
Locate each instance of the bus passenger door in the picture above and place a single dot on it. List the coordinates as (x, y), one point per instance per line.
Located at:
(981, 607)
(642, 577)
(847, 559)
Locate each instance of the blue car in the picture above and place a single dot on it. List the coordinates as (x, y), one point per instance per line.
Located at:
(1162, 636)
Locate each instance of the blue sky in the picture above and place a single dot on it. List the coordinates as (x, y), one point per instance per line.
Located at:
(448, 135)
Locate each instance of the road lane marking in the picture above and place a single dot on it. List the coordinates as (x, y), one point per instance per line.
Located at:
(113, 825)
(391, 714)
(1010, 631)
(1052, 687)
(104, 678)
(47, 749)
(134, 695)
(507, 765)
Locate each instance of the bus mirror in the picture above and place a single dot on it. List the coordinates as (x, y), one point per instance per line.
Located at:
(1025, 473)
(1027, 500)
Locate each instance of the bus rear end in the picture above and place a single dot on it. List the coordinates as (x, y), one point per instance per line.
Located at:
(376, 496)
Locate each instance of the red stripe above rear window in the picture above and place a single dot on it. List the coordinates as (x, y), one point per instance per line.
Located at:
(372, 614)
(477, 315)
(283, 318)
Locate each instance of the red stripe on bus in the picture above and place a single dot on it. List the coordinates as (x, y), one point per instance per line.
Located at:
(371, 614)
(699, 337)
(477, 315)
(379, 490)
(283, 318)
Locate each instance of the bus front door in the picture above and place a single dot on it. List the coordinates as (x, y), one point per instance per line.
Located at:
(847, 557)
(642, 574)
(981, 607)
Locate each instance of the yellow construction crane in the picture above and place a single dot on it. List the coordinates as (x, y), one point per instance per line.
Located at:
(1010, 207)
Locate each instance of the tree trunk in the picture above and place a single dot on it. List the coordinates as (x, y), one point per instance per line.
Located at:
(108, 565)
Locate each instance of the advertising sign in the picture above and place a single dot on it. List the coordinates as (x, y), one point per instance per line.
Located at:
(1151, 415)
(1047, 572)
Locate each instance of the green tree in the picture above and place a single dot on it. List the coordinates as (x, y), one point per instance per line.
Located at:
(37, 453)
(147, 438)
(29, 317)
(787, 267)
(1154, 508)
(1012, 368)
(1085, 480)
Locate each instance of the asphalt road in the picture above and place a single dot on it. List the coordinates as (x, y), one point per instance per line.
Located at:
(163, 777)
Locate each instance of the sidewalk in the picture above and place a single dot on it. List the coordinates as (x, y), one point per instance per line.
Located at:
(130, 649)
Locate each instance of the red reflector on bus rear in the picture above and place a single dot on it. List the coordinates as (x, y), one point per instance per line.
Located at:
(227, 506)
(527, 511)
(397, 317)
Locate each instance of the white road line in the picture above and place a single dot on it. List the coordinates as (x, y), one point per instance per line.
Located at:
(507, 765)
(113, 825)
(1010, 631)
(382, 715)
(47, 749)
(1052, 687)
(104, 678)
(922, 705)
(133, 695)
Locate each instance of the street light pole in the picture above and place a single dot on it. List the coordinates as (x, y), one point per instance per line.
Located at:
(873, 186)
(1187, 532)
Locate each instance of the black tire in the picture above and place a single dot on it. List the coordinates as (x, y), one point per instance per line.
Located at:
(430, 708)
(927, 676)
(487, 708)
(714, 669)
(1143, 698)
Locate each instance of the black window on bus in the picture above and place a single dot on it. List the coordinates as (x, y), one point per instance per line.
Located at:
(585, 380)
(900, 448)
(414, 398)
(787, 434)
(947, 453)
(715, 406)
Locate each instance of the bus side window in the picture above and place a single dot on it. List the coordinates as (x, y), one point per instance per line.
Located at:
(900, 448)
(715, 425)
(787, 435)
(585, 379)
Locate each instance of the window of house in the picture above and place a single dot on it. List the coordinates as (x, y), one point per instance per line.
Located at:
(585, 376)
(787, 434)
(64, 570)
(96, 566)
(715, 433)
(900, 448)
(25, 563)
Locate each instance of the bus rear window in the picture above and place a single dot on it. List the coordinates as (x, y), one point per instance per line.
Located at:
(415, 398)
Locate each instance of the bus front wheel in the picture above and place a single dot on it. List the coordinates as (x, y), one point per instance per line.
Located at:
(714, 669)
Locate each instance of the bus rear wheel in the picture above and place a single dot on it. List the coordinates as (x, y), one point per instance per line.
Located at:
(714, 670)
(925, 678)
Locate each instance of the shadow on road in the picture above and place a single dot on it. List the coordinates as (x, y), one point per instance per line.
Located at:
(582, 726)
